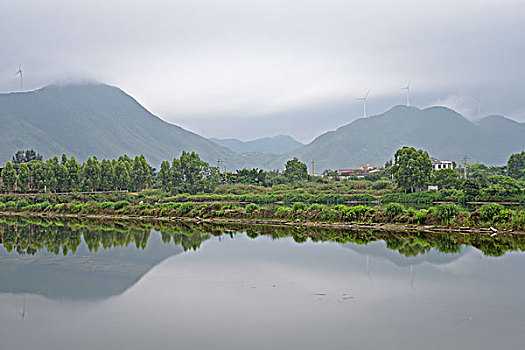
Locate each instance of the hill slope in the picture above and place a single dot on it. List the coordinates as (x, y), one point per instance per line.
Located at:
(444, 133)
(96, 119)
(280, 144)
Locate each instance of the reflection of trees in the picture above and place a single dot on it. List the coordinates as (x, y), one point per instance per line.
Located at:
(28, 237)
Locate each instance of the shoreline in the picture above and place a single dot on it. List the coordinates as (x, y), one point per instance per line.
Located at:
(274, 222)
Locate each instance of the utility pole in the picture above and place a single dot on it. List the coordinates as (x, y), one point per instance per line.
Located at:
(465, 165)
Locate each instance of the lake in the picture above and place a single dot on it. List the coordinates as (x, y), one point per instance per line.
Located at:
(78, 285)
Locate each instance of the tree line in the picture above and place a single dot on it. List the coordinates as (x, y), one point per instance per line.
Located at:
(186, 174)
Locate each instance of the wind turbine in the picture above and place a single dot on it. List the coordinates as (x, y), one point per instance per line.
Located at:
(479, 107)
(19, 72)
(407, 88)
(364, 102)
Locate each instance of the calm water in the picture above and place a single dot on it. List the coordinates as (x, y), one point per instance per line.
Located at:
(207, 290)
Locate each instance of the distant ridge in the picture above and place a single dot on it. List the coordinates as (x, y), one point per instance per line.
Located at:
(280, 144)
(444, 133)
(83, 120)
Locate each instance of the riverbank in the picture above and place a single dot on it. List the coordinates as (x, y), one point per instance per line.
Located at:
(491, 231)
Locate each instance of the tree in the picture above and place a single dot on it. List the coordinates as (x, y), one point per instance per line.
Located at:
(91, 174)
(189, 174)
(446, 178)
(516, 165)
(295, 170)
(74, 176)
(164, 175)
(251, 176)
(26, 156)
(24, 176)
(412, 168)
(122, 179)
(9, 176)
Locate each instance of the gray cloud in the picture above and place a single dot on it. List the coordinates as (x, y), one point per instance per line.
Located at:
(226, 62)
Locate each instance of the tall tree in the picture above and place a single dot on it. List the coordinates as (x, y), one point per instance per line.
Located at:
(9, 176)
(295, 170)
(26, 156)
(189, 174)
(164, 175)
(412, 168)
(24, 176)
(516, 165)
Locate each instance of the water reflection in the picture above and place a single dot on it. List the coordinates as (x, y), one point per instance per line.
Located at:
(136, 288)
(63, 237)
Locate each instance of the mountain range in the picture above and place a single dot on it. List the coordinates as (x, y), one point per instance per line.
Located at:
(280, 144)
(83, 120)
(442, 132)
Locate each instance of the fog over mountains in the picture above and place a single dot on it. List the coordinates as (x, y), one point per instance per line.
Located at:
(280, 144)
(95, 119)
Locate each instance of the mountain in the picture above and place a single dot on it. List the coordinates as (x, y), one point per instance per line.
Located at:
(280, 144)
(83, 120)
(441, 131)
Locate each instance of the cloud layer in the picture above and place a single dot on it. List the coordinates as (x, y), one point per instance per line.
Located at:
(206, 60)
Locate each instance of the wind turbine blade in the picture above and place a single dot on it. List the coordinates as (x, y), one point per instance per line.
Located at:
(367, 93)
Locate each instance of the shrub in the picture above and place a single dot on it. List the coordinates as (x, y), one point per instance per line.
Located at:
(518, 221)
(44, 205)
(445, 212)
(421, 216)
(381, 185)
(105, 205)
(186, 207)
(489, 211)
(393, 209)
(22, 204)
(250, 208)
(316, 206)
(299, 207)
(120, 205)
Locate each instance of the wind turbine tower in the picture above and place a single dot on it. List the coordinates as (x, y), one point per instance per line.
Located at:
(19, 72)
(407, 88)
(364, 102)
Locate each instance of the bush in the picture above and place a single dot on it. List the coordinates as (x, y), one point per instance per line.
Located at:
(186, 207)
(105, 205)
(421, 216)
(445, 212)
(393, 209)
(299, 207)
(250, 208)
(381, 185)
(44, 205)
(22, 204)
(489, 211)
(120, 205)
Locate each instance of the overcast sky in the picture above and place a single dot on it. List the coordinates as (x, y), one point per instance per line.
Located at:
(249, 68)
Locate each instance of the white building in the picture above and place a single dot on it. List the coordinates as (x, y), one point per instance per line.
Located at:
(441, 164)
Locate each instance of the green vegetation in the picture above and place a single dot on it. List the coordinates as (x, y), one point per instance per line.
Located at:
(412, 169)
(190, 187)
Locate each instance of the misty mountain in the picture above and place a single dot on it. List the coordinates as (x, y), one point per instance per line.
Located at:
(441, 131)
(280, 144)
(95, 119)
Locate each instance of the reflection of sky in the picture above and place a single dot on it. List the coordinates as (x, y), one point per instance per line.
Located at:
(243, 293)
